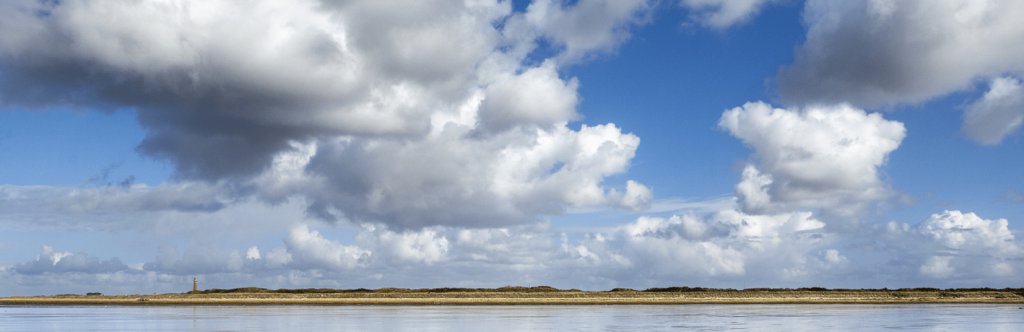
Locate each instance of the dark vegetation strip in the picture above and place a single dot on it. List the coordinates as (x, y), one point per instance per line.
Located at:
(547, 289)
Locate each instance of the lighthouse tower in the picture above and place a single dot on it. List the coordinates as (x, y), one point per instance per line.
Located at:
(194, 285)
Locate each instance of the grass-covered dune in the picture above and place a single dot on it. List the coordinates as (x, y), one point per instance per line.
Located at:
(538, 295)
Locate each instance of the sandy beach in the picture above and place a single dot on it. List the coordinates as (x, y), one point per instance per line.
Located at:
(532, 296)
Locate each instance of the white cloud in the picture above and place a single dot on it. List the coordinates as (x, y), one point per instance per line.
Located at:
(937, 267)
(752, 191)
(957, 231)
(426, 246)
(832, 257)
(587, 25)
(253, 253)
(997, 114)
(51, 261)
(722, 14)
(958, 245)
(816, 157)
(287, 175)
(457, 179)
(278, 257)
(310, 250)
(637, 197)
(452, 178)
(874, 53)
(728, 244)
(877, 52)
(407, 113)
(535, 97)
(722, 249)
(303, 250)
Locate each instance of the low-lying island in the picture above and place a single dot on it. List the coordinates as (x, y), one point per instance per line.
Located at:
(541, 295)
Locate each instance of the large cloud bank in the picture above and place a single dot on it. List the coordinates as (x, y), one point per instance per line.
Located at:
(435, 132)
(810, 169)
(408, 113)
(723, 249)
(878, 52)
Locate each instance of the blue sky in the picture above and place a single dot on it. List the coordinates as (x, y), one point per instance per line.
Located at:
(582, 144)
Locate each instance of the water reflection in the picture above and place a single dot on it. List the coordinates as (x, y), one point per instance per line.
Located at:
(514, 318)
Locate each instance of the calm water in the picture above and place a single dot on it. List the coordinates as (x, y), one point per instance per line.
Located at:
(515, 318)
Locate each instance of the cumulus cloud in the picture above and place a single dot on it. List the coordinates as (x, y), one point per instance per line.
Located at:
(722, 249)
(408, 113)
(308, 249)
(253, 253)
(537, 96)
(815, 157)
(303, 250)
(51, 261)
(997, 114)
(878, 52)
(957, 231)
(721, 14)
(457, 180)
(724, 244)
(728, 244)
(957, 245)
(425, 246)
(587, 25)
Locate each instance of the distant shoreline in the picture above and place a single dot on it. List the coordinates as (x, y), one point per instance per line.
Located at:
(541, 295)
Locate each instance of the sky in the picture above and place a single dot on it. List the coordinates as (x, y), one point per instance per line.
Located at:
(586, 144)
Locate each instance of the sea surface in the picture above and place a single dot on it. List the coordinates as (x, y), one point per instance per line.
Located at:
(846, 317)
